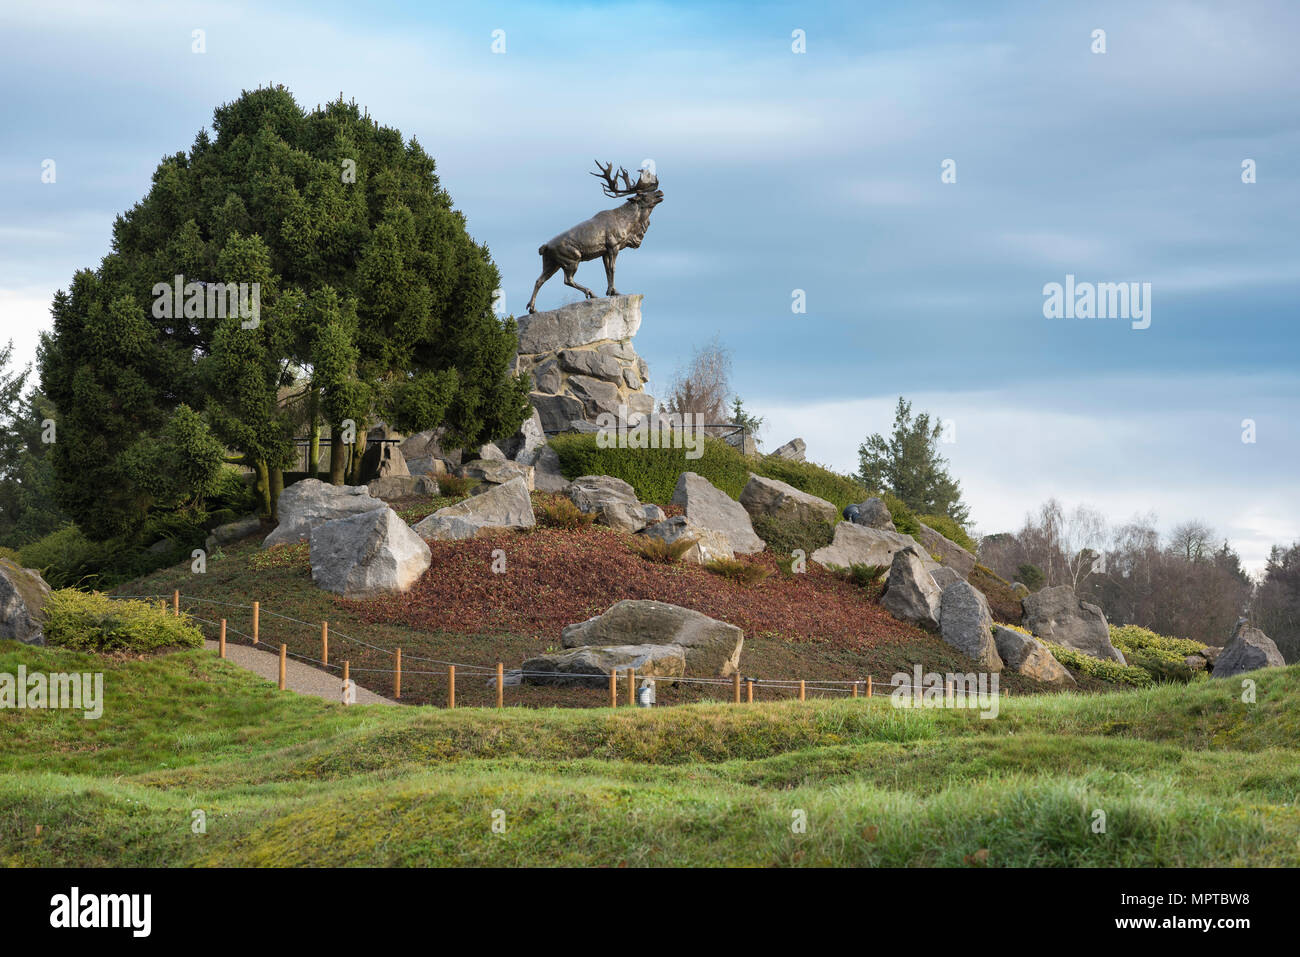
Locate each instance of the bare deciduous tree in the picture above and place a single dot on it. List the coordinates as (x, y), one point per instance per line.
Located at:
(703, 386)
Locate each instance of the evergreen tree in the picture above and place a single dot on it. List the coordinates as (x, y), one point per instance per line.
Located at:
(362, 267)
(908, 464)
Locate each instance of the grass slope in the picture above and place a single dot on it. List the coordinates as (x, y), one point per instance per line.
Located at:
(1186, 775)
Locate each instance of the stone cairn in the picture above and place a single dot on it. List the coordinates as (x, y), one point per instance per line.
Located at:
(582, 363)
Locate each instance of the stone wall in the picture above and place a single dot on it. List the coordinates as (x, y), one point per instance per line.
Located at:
(581, 360)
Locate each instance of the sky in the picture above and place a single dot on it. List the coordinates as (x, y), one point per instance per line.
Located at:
(817, 174)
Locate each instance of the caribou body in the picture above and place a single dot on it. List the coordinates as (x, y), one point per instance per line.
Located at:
(604, 234)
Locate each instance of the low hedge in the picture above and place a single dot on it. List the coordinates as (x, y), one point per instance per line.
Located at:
(1101, 668)
(1163, 657)
(91, 621)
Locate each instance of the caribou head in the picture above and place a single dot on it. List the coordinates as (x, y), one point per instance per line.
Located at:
(605, 233)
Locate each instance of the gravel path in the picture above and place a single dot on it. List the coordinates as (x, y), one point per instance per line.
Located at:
(299, 677)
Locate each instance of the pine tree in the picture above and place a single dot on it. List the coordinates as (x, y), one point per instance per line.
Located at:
(908, 465)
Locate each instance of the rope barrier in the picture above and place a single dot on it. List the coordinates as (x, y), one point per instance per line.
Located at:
(838, 686)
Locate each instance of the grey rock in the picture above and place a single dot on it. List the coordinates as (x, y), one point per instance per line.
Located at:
(311, 502)
(944, 576)
(597, 395)
(765, 496)
(1030, 657)
(427, 465)
(1196, 662)
(366, 555)
(23, 593)
(855, 544)
(505, 506)
(743, 441)
(590, 362)
(1249, 650)
(232, 532)
(949, 552)
(591, 666)
(966, 623)
(638, 403)
(1058, 615)
(403, 486)
(612, 500)
(547, 476)
(580, 323)
(710, 508)
(709, 545)
(910, 593)
(547, 378)
(653, 514)
(556, 411)
(712, 647)
(1020, 589)
(527, 443)
(873, 513)
(491, 452)
(382, 459)
(429, 443)
(794, 450)
(497, 471)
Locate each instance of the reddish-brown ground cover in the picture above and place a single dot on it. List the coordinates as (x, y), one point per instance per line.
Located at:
(554, 577)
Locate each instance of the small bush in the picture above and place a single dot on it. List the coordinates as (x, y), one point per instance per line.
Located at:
(653, 473)
(557, 511)
(657, 550)
(1100, 668)
(862, 575)
(91, 621)
(454, 486)
(1031, 576)
(783, 536)
(733, 569)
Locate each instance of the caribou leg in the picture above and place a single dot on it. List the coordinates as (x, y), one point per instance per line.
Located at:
(610, 256)
(569, 270)
(548, 270)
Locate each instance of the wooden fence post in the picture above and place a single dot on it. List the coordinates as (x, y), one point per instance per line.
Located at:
(750, 690)
(501, 682)
(255, 617)
(282, 657)
(855, 689)
(325, 643)
(397, 676)
(868, 686)
(451, 686)
(801, 690)
(176, 602)
(735, 686)
(221, 642)
(631, 687)
(613, 688)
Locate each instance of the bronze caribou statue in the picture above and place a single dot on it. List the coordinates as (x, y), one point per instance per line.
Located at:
(605, 233)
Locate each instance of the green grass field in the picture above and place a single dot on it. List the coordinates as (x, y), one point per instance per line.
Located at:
(1186, 776)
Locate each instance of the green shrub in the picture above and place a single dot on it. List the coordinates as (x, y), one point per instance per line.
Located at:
(453, 486)
(904, 520)
(1101, 668)
(653, 473)
(733, 569)
(1031, 576)
(1163, 657)
(557, 511)
(784, 535)
(860, 574)
(949, 529)
(65, 557)
(91, 621)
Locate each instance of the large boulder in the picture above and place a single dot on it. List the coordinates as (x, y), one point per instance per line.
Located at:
(232, 532)
(591, 665)
(910, 593)
(855, 544)
(710, 546)
(794, 450)
(427, 465)
(22, 603)
(505, 506)
(966, 623)
(547, 476)
(765, 496)
(711, 508)
(581, 323)
(527, 443)
(311, 502)
(382, 459)
(1248, 650)
(612, 500)
(497, 472)
(366, 555)
(712, 647)
(1058, 615)
(873, 513)
(556, 411)
(402, 486)
(429, 444)
(949, 552)
(743, 441)
(1029, 656)
(944, 576)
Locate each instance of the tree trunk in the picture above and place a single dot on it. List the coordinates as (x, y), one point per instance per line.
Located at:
(313, 456)
(263, 486)
(358, 453)
(338, 455)
(277, 486)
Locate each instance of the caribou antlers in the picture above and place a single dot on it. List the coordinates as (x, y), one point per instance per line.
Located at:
(645, 181)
